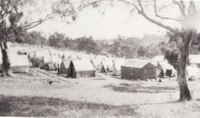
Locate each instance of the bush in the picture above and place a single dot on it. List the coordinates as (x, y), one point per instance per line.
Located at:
(37, 62)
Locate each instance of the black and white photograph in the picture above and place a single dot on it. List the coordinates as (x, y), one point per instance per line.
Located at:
(100, 58)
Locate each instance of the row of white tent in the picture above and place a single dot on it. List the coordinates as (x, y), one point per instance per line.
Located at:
(57, 57)
(98, 61)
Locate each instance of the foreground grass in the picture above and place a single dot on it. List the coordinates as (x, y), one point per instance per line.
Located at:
(14, 100)
(189, 109)
(55, 107)
(51, 107)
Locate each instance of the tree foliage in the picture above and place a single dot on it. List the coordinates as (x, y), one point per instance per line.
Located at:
(119, 47)
(56, 40)
(35, 38)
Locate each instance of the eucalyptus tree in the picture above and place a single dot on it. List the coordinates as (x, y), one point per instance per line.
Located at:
(17, 16)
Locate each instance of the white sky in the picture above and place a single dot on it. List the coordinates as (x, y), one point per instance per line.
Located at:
(116, 21)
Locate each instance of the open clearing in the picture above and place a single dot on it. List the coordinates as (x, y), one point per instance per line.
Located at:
(102, 96)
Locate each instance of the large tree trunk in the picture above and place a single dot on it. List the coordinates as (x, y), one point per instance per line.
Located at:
(182, 66)
(5, 60)
(182, 81)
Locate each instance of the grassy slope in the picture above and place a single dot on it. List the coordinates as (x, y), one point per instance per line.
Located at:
(31, 95)
(45, 107)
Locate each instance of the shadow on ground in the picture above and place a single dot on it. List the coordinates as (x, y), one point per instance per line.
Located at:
(138, 88)
(50, 107)
(99, 79)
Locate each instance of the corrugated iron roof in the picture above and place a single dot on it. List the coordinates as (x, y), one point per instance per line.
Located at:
(135, 64)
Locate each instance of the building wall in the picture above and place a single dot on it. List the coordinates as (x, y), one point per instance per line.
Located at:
(148, 72)
(85, 74)
(130, 73)
(124, 72)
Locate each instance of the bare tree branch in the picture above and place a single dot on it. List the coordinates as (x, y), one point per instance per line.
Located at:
(163, 17)
(36, 23)
(163, 7)
(183, 5)
(33, 24)
(181, 8)
(142, 12)
(89, 4)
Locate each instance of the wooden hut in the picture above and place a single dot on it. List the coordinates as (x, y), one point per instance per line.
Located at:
(81, 69)
(138, 70)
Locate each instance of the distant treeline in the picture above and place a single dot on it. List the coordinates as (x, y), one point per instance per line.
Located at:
(131, 47)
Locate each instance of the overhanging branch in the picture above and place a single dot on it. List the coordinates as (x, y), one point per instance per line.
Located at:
(142, 12)
(36, 23)
(162, 17)
(181, 8)
(90, 3)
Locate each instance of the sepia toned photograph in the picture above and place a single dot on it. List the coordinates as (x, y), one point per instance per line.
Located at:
(100, 58)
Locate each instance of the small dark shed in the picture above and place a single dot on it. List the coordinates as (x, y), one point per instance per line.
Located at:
(138, 70)
(81, 69)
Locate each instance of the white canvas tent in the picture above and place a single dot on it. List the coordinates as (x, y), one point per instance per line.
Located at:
(19, 63)
(161, 61)
(194, 60)
(64, 66)
(105, 65)
(81, 69)
(193, 72)
(83, 65)
(46, 56)
(118, 62)
(56, 60)
(96, 61)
